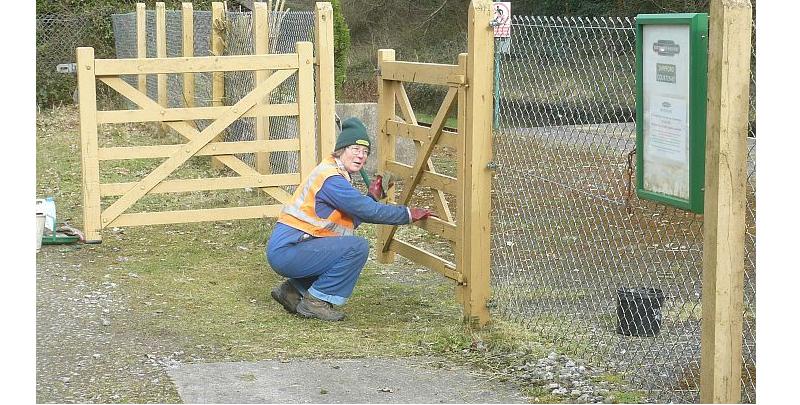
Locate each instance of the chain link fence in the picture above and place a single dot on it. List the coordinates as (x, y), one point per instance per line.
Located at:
(238, 38)
(571, 243)
(57, 36)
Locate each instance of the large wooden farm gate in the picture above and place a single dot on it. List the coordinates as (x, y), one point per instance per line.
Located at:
(270, 71)
(469, 91)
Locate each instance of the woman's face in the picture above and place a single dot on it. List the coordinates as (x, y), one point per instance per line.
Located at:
(354, 157)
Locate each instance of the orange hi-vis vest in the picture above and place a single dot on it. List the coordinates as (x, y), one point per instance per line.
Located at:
(301, 212)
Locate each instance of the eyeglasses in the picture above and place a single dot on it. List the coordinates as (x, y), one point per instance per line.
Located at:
(357, 150)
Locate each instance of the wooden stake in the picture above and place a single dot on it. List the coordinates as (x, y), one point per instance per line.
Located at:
(217, 78)
(141, 41)
(326, 97)
(725, 198)
(478, 154)
(161, 52)
(261, 47)
(187, 14)
(90, 165)
(386, 144)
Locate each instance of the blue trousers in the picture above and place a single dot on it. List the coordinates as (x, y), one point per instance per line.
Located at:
(327, 268)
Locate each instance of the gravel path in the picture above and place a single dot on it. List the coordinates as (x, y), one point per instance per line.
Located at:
(85, 349)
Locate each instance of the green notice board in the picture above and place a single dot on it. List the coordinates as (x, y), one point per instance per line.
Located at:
(671, 83)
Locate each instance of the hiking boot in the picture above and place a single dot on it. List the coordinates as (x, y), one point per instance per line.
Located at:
(287, 295)
(313, 307)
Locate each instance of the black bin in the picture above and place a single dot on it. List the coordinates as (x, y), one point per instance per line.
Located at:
(639, 311)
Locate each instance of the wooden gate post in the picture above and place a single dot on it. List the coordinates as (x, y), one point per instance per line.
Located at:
(326, 96)
(386, 142)
(725, 198)
(90, 165)
(477, 180)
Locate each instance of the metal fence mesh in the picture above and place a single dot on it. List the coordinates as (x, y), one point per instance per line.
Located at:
(237, 35)
(57, 36)
(570, 239)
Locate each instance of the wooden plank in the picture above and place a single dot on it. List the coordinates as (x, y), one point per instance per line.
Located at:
(439, 227)
(725, 201)
(427, 259)
(261, 47)
(187, 15)
(461, 164)
(188, 114)
(203, 138)
(213, 148)
(326, 91)
(90, 165)
(305, 100)
(207, 184)
(429, 179)
(200, 215)
(141, 42)
(423, 155)
(420, 133)
(190, 133)
(478, 153)
(197, 64)
(429, 73)
(386, 143)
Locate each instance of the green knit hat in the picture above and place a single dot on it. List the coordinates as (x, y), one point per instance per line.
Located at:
(353, 133)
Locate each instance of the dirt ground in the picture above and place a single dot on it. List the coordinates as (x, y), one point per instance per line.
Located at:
(91, 349)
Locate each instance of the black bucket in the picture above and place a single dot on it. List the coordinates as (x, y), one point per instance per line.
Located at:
(639, 311)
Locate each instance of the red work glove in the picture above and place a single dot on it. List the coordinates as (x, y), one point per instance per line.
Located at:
(375, 189)
(421, 213)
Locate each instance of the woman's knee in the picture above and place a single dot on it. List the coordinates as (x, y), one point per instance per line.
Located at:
(360, 246)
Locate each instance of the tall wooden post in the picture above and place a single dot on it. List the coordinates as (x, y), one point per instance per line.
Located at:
(141, 42)
(386, 142)
(217, 78)
(725, 198)
(90, 165)
(477, 182)
(161, 52)
(326, 96)
(187, 16)
(260, 47)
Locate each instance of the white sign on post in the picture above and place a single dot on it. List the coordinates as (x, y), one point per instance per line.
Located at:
(502, 19)
(665, 78)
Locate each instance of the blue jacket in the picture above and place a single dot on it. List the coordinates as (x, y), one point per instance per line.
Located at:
(338, 193)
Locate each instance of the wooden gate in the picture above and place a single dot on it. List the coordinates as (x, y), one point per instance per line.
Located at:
(469, 91)
(198, 143)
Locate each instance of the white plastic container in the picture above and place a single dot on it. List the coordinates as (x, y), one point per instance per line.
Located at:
(40, 219)
(47, 207)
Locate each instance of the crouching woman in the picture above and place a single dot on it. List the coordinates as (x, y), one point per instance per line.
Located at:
(313, 242)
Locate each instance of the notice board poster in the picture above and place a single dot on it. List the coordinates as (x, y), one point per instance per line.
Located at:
(665, 78)
(671, 84)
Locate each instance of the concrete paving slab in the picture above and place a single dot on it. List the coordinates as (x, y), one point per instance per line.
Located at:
(331, 381)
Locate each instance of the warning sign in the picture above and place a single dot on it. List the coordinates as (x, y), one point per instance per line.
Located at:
(502, 19)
